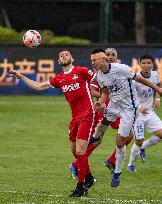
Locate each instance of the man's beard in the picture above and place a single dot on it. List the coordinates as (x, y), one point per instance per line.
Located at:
(111, 61)
(66, 64)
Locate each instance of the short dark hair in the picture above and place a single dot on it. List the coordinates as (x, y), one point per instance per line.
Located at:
(97, 51)
(66, 50)
(146, 57)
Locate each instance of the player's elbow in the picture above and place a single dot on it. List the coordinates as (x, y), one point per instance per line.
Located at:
(139, 79)
(38, 87)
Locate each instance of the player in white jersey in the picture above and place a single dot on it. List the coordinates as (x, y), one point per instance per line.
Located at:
(147, 118)
(117, 79)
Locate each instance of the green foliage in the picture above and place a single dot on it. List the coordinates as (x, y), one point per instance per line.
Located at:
(35, 156)
(49, 37)
(69, 40)
(8, 35)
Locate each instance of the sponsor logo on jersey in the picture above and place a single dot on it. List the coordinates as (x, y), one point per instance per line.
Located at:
(75, 76)
(70, 87)
(113, 79)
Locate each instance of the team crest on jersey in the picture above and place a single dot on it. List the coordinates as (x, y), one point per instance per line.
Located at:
(75, 76)
(90, 72)
(113, 79)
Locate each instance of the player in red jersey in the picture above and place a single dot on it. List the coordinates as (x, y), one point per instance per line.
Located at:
(75, 84)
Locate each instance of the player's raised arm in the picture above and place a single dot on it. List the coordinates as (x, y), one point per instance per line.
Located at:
(157, 98)
(148, 83)
(32, 84)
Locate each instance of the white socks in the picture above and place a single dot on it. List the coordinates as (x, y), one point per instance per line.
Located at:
(100, 130)
(120, 158)
(135, 150)
(151, 141)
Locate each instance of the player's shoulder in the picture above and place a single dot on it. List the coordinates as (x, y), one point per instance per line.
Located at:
(84, 70)
(154, 74)
(58, 76)
(94, 84)
(155, 77)
(80, 67)
(99, 74)
(118, 66)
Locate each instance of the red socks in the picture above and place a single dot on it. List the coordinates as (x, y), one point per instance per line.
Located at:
(82, 161)
(112, 158)
(88, 153)
(90, 149)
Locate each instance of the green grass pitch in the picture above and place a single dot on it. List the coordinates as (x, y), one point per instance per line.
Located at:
(35, 156)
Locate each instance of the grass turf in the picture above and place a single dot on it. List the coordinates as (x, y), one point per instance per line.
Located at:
(35, 156)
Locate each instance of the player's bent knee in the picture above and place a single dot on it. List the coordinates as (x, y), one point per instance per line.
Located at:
(80, 150)
(120, 146)
(158, 133)
(120, 141)
(139, 142)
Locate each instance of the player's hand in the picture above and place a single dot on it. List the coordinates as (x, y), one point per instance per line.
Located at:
(102, 107)
(143, 110)
(159, 90)
(14, 73)
(97, 105)
(157, 103)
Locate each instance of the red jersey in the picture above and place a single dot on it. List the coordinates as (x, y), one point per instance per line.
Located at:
(75, 85)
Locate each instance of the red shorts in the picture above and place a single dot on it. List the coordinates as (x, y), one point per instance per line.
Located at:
(81, 128)
(115, 124)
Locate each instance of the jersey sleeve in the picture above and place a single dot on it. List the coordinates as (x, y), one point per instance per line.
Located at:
(87, 73)
(127, 71)
(95, 85)
(53, 82)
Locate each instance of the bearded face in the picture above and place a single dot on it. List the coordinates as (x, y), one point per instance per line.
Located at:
(65, 58)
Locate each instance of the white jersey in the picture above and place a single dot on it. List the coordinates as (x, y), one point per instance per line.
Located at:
(118, 80)
(144, 93)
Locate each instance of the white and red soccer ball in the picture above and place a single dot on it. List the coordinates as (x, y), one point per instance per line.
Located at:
(32, 38)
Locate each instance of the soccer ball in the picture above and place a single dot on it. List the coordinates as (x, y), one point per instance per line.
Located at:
(32, 38)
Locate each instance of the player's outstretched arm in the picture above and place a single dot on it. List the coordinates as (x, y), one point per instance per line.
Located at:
(148, 83)
(157, 98)
(32, 84)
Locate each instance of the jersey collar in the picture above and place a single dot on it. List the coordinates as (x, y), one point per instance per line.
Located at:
(108, 70)
(144, 76)
(69, 70)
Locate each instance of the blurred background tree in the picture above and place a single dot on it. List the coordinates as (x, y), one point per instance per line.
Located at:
(96, 21)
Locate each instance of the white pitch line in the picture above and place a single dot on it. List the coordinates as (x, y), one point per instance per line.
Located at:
(111, 200)
(90, 200)
(31, 193)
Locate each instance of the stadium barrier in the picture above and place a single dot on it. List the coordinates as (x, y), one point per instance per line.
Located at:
(41, 63)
